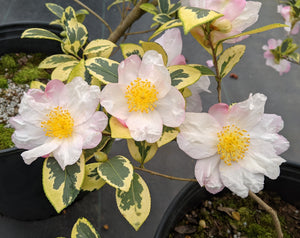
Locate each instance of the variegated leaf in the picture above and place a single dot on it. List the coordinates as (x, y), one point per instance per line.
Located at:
(55, 60)
(229, 58)
(55, 9)
(174, 8)
(63, 71)
(164, 5)
(106, 70)
(149, 7)
(141, 151)
(39, 33)
(89, 153)
(168, 135)
(162, 18)
(117, 172)
(80, 71)
(118, 130)
(203, 69)
(192, 17)
(131, 49)
(167, 25)
(62, 186)
(38, 85)
(117, 2)
(157, 47)
(84, 229)
(92, 181)
(99, 48)
(81, 14)
(135, 204)
(183, 75)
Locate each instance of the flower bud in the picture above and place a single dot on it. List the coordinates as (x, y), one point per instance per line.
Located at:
(222, 25)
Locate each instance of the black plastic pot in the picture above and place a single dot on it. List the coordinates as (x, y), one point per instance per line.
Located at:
(21, 191)
(286, 185)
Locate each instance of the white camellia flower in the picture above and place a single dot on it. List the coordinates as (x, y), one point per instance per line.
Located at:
(144, 99)
(235, 146)
(61, 120)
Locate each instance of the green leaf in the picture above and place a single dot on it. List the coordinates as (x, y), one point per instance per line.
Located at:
(62, 186)
(135, 204)
(79, 71)
(55, 9)
(192, 17)
(149, 7)
(117, 2)
(229, 58)
(174, 8)
(117, 172)
(167, 25)
(183, 75)
(168, 135)
(55, 60)
(105, 70)
(99, 48)
(162, 18)
(84, 229)
(39, 33)
(131, 49)
(164, 5)
(81, 14)
(92, 181)
(203, 69)
(157, 47)
(90, 152)
(141, 151)
(63, 71)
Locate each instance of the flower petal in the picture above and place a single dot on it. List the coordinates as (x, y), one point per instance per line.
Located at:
(54, 91)
(145, 126)
(219, 112)
(198, 135)
(128, 69)
(172, 108)
(207, 174)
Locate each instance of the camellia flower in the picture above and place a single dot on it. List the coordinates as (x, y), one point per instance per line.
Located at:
(144, 99)
(62, 120)
(238, 15)
(171, 42)
(235, 146)
(283, 66)
(285, 12)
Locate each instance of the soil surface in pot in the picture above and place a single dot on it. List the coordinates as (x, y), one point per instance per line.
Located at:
(231, 216)
(17, 71)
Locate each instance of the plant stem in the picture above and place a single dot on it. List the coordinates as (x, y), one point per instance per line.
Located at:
(269, 210)
(95, 14)
(140, 32)
(164, 175)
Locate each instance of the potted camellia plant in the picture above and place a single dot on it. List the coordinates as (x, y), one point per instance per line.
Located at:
(147, 99)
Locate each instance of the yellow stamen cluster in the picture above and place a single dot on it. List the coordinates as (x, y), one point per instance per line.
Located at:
(233, 143)
(59, 124)
(141, 96)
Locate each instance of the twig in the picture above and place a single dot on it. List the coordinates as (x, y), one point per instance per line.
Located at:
(140, 32)
(269, 210)
(95, 14)
(164, 175)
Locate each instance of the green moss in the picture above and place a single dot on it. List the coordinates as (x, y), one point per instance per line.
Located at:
(8, 63)
(5, 137)
(28, 74)
(3, 82)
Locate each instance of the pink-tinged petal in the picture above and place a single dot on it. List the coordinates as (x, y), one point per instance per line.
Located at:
(26, 135)
(54, 91)
(145, 126)
(248, 17)
(230, 9)
(178, 60)
(233, 177)
(272, 43)
(193, 3)
(128, 69)
(219, 112)
(284, 11)
(210, 63)
(90, 131)
(69, 151)
(78, 95)
(172, 108)
(280, 144)
(284, 66)
(113, 100)
(172, 43)
(295, 29)
(198, 135)
(248, 113)
(31, 155)
(154, 70)
(207, 174)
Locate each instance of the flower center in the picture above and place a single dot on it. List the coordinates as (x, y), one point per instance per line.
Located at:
(59, 124)
(141, 96)
(233, 143)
